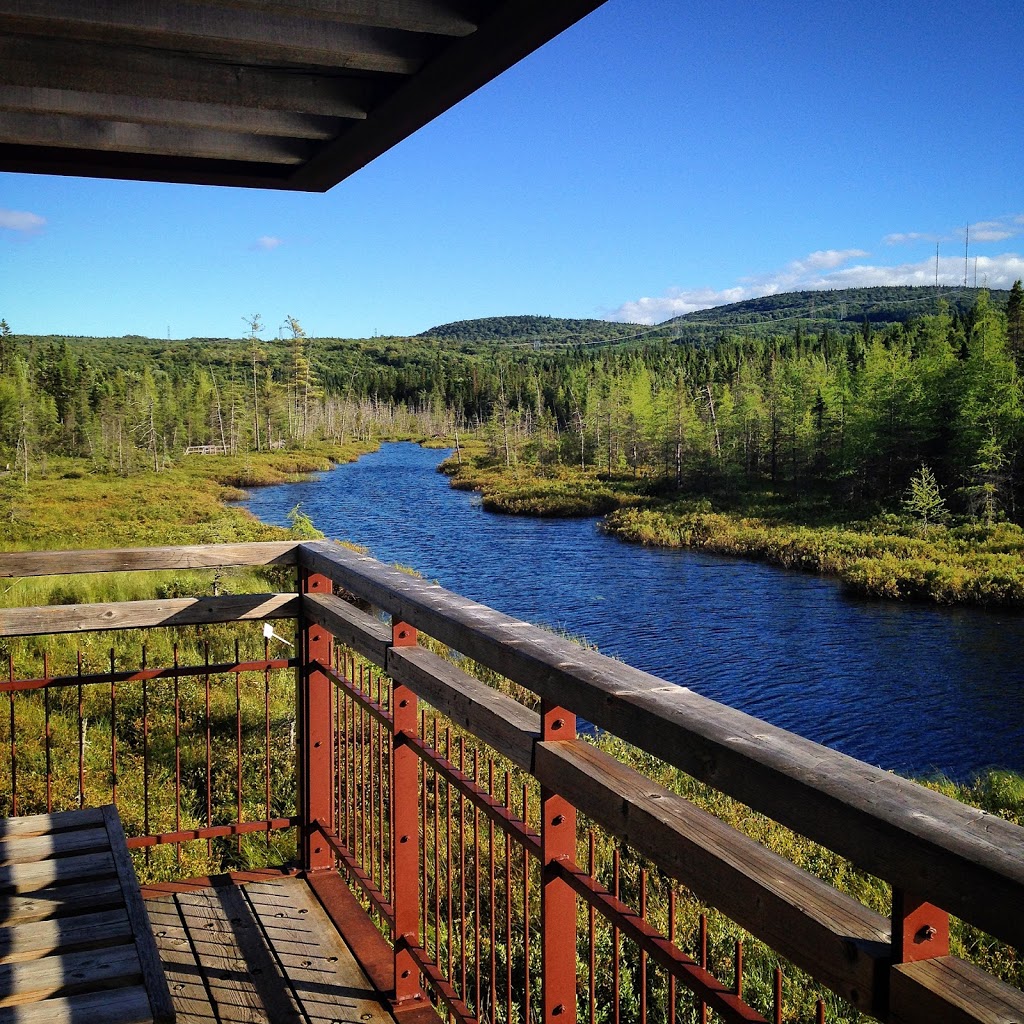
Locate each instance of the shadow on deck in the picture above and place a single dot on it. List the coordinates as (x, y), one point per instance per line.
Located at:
(260, 946)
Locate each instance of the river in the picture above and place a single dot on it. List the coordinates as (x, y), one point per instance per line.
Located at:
(916, 689)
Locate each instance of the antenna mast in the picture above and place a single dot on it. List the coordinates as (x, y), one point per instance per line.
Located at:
(967, 243)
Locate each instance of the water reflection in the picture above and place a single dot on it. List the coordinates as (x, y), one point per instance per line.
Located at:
(913, 689)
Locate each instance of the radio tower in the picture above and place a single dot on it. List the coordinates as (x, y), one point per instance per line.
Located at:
(967, 243)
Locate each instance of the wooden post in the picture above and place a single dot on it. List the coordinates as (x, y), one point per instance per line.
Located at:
(558, 901)
(405, 832)
(314, 718)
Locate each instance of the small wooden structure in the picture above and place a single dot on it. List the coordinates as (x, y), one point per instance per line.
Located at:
(285, 94)
(75, 943)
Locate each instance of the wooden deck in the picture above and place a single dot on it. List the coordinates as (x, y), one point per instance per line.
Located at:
(263, 951)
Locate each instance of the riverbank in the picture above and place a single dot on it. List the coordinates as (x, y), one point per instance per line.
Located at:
(888, 556)
(66, 505)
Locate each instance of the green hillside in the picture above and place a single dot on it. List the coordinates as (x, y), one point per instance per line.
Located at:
(542, 330)
(841, 310)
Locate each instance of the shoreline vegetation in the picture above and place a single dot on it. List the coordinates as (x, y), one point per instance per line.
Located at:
(889, 556)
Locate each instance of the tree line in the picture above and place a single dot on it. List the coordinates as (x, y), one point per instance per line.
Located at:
(850, 414)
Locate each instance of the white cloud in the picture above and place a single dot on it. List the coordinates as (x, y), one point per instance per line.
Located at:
(992, 231)
(21, 220)
(676, 302)
(826, 259)
(997, 230)
(905, 237)
(267, 243)
(799, 275)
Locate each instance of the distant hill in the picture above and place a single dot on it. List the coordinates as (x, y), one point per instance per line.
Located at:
(842, 309)
(544, 330)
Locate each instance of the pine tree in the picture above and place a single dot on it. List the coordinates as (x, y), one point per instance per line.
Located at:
(924, 500)
(1015, 323)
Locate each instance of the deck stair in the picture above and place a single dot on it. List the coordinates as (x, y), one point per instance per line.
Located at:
(75, 942)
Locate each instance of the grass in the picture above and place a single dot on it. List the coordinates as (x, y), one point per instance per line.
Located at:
(886, 558)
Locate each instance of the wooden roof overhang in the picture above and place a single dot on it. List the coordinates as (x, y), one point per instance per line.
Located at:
(286, 94)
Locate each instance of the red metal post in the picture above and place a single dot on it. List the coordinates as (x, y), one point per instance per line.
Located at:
(558, 901)
(405, 834)
(314, 740)
(920, 930)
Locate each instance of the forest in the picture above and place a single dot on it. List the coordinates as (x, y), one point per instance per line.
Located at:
(847, 413)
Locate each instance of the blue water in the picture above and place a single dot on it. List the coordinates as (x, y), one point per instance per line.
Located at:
(910, 688)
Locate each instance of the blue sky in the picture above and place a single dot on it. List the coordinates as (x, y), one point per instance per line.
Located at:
(657, 158)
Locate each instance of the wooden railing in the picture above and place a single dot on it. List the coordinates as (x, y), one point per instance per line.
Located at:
(398, 770)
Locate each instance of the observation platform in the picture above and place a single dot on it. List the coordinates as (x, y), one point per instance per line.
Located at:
(460, 853)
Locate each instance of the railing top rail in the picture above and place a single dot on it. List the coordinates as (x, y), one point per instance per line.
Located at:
(197, 556)
(967, 861)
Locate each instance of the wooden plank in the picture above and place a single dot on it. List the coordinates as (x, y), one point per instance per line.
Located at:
(26, 878)
(375, 957)
(501, 722)
(81, 66)
(430, 16)
(34, 980)
(48, 824)
(61, 901)
(64, 934)
(361, 935)
(127, 1005)
(839, 941)
(26, 850)
(195, 556)
(141, 167)
(968, 862)
(61, 130)
(319, 969)
(217, 117)
(145, 948)
(350, 626)
(207, 29)
(184, 611)
(233, 975)
(181, 968)
(949, 990)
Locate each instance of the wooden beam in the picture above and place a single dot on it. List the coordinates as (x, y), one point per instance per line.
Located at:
(122, 137)
(841, 942)
(198, 556)
(963, 860)
(91, 67)
(363, 633)
(142, 167)
(184, 611)
(250, 37)
(172, 113)
(952, 991)
(502, 723)
(516, 29)
(436, 17)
